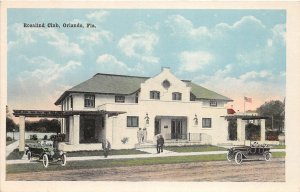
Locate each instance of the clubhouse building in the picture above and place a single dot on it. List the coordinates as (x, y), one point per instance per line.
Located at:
(114, 107)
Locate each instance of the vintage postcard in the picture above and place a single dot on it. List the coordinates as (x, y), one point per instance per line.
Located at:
(149, 96)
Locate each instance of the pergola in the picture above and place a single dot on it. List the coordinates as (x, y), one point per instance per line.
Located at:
(22, 114)
(241, 124)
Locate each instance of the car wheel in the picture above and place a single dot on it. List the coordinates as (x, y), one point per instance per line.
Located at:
(45, 160)
(230, 156)
(267, 156)
(238, 157)
(63, 159)
(29, 157)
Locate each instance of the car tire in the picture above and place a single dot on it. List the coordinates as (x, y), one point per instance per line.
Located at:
(230, 156)
(267, 156)
(45, 160)
(63, 159)
(238, 158)
(29, 156)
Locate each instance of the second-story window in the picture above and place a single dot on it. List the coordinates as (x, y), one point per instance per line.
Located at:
(176, 96)
(120, 99)
(154, 95)
(213, 103)
(71, 101)
(89, 100)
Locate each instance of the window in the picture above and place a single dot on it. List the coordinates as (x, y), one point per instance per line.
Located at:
(213, 103)
(206, 122)
(154, 95)
(89, 100)
(120, 99)
(166, 84)
(67, 103)
(136, 97)
(71, 100)
(132, 121)
(176, 96)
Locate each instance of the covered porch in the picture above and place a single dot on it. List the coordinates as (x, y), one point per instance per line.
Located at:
(245, 128)
(80, 127)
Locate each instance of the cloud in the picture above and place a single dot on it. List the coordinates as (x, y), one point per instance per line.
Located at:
(244, 21)
(140, 46)
(184, 27)
(40, 84)
(46, 71)
(193, 61)
(259, 85)
(98, 16)
(60, 41)
(110, 64)
(254, 75)
(97, 38)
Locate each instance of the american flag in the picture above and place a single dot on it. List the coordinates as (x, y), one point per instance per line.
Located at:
(248, 99)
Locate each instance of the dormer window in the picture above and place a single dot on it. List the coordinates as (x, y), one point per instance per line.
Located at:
(120, 99)
(213, 103)
(155, 95)
(176, 96)
(89, 100)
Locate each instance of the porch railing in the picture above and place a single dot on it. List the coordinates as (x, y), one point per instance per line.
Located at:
(196, 137)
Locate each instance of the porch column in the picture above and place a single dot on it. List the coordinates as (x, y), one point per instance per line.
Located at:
(240, 130)
(76, 128)
(71, 130)
(22, 133)
(262, 129)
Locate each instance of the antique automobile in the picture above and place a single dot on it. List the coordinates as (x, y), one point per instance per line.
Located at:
(255, 152)
(45, 151)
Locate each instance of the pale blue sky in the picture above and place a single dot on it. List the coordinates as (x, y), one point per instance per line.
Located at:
(233, 52)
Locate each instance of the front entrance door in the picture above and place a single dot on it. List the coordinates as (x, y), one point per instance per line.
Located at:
(157, 127)
(176, 129)
(89, 131)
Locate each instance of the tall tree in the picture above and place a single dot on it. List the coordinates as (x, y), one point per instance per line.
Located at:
(10, 124)
(274, 110)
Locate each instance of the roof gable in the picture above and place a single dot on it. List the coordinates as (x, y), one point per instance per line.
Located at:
(126, 85)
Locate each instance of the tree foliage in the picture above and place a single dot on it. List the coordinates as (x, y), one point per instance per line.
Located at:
(43, 125)
(275, 111)
(10, 124)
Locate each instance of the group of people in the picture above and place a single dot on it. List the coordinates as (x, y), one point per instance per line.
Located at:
(142, 135)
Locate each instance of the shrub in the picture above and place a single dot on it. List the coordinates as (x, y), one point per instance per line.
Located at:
(8, 138)
(45, 137)
(34, 137)
(124, 140)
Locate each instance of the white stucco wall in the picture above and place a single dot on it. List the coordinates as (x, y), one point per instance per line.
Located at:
(166, 109)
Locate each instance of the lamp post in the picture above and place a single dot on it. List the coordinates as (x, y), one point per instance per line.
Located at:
(13, 134)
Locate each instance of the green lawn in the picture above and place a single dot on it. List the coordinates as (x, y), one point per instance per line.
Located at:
(15, 155)
(18, 155)
(36, 167)
(195, 148)
(9, 142)
(100, 153)
(278, 147)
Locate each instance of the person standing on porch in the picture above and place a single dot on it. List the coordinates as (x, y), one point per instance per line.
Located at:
(144, 138)
(139, 135)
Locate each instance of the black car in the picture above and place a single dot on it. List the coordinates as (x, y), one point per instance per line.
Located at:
(44, 150)
(254, 151)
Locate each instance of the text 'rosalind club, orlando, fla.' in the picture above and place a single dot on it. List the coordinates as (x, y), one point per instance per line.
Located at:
(56, 25)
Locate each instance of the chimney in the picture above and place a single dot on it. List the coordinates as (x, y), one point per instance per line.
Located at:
(165, 69)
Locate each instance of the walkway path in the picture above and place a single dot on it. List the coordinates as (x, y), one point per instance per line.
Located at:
(136, 156)
(11, 147)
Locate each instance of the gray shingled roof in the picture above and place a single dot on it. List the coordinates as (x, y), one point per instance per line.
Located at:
(126, 85)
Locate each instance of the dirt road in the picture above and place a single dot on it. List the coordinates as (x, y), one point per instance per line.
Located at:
(272, 171)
